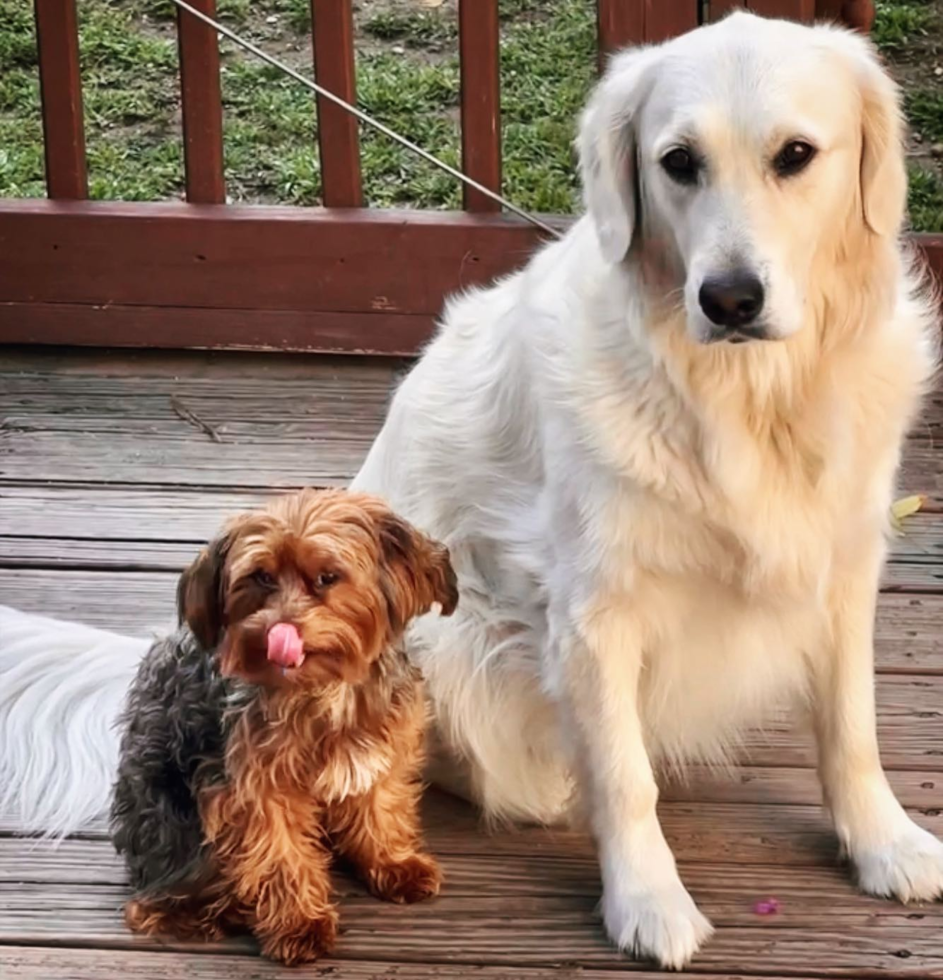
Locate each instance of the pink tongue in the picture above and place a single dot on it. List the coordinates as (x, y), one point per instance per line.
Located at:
(284, 645)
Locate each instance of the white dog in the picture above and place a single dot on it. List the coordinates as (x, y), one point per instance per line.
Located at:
(663, 456)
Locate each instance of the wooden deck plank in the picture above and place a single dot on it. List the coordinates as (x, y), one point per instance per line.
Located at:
(531, 864)
(135, 489)
(260, 454)
(903, 575)
(735, 834)
(825, 928)
(805, 899)
(141, 512)
(142, 390)
(104, 513)
(90, 539)
(907, 634)
(314, 426)
(273, 459)
(32, 963)
(909, 707)
(127, 428)
(909, 727)
(922, 472)
(920, 792)
(131, 602)
(549, 882)
(783, 785)
(138, 385)
(135, 513)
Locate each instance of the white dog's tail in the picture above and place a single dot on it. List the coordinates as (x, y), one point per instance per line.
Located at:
(62, 687)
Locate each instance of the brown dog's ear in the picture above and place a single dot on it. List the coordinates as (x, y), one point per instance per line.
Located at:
(200, 593)
(418, 571)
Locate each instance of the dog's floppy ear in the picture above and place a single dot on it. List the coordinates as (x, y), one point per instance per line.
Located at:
(200, 593)
(417, 571)
(883, 172)
(607, 150)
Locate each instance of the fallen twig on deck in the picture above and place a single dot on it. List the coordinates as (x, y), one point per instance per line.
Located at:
(188, 415)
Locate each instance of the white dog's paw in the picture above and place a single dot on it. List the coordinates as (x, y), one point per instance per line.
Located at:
(663, 925)
(910, 868)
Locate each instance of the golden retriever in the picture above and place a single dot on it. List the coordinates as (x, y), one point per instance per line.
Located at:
(663, 456)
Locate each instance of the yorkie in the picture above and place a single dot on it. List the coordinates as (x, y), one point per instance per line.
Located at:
(282, 721)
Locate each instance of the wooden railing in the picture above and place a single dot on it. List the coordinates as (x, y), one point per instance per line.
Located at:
(201, 104)
(340, 277)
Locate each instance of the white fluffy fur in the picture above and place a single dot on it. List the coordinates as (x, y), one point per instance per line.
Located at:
(62, 686)
(659, 539)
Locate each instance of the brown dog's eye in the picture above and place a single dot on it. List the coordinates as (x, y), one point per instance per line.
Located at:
(793, 157)
(681, 165)
(261, 577)
(326, 579)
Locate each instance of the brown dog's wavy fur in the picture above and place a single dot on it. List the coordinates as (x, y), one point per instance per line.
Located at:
(325, 759)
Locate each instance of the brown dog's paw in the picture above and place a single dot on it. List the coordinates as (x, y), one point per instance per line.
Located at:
(305, 944)
(180, 920)
(417, 878)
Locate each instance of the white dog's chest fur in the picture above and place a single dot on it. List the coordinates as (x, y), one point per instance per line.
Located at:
(721, 545)
(727, 591)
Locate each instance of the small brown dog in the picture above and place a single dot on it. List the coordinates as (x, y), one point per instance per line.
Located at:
(281, 723)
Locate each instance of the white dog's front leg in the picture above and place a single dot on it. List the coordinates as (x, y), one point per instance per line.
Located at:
(893, 855)
(646, 908)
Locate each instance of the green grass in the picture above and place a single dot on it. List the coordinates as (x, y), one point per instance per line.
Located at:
(417, 29)
(130, 94)
(898, 22)
(131, 97)
(547, 68)
(408, 76)
(926, 200)
(924, 108)
(21, 154)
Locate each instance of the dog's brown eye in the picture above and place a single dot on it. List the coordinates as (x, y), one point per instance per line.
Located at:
(793, 157)
(326, 579)
(681, 165)
(261, 577)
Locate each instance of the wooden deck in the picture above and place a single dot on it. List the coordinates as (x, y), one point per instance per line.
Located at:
(108, 483)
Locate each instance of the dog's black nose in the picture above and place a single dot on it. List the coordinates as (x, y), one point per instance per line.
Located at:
(732, 300)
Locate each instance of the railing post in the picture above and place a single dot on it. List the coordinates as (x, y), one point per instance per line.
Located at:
(334, 67)
(858, 14)
(624, 22)
(618, 23)
(479, 53)
(202, 106)
(57, 41)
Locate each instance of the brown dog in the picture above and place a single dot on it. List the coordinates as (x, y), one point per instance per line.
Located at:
(282, 722)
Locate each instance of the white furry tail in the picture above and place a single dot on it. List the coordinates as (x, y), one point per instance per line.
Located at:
(62, 687)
